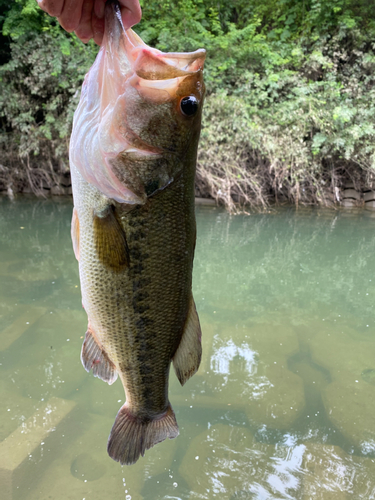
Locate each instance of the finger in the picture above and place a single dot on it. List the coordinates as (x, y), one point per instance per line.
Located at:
(131, 12)
(97, 28)
(52, 7)
(71, 15)
(84, 30)
(99, 8)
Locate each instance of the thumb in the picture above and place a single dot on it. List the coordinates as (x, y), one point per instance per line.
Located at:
(131, 12)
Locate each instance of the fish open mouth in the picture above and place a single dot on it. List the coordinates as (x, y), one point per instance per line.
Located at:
(155, 74)
(157, 77)
(150, 63)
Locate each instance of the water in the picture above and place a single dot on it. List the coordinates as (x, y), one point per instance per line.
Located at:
(283, 406)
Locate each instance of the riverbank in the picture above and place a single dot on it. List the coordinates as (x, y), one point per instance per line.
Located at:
(348, 196)
(289, 109)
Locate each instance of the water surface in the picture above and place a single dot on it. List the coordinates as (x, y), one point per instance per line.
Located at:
(283, 406)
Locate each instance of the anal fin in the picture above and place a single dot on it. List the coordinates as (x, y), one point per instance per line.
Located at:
(94, 358)
(187, 358)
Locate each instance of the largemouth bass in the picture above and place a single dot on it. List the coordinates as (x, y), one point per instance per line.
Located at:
(132, 157)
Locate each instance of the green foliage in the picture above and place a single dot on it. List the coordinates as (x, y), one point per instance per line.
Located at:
(249, 37)
(24, 16)
(186, 25)
(293, 135)
(40, 88)
(40, 101)
(289, 108)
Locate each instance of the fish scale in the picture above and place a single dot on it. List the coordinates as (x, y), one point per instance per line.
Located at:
(133, 156)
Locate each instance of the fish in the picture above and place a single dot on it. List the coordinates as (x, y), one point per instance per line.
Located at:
(133, 152)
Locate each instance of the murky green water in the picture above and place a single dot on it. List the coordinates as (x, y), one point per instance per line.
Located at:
(283, 406)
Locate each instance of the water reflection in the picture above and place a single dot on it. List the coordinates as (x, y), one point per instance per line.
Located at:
(282, 406)
(228, 463)
(221, 360)
(303, 263)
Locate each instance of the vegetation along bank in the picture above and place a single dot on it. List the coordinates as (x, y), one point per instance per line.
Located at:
(289, 112)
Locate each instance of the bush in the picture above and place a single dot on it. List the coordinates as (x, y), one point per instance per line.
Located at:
(288, 136)
(290, 93)
(40, 91)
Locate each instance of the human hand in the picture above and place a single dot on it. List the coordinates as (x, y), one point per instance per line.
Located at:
(86, 17)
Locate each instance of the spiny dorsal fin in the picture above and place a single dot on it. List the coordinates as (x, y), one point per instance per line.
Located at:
(110, 240)
(187, 358)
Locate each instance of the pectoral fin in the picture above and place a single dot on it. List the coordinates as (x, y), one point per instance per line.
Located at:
(75, 233)
(187, 358)
(94, 358)
(110, 240)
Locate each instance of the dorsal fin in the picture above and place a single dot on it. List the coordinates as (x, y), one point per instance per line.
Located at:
(187, 358)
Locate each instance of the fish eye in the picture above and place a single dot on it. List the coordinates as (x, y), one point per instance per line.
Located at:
(189, 105)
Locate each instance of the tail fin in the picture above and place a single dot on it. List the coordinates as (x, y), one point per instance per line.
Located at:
(131, 435)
